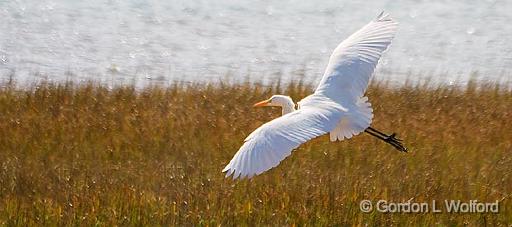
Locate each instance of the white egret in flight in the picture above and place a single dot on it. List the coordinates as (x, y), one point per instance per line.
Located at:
(338, 105)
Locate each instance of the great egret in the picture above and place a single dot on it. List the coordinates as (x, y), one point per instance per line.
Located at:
(338, 105)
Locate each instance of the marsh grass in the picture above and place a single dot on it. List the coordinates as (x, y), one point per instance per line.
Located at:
(88, 155)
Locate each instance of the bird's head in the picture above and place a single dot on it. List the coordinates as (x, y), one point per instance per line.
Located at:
(282, 101)
(275, 100)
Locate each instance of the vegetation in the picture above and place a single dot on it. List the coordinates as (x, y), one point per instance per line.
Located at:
(89, 155)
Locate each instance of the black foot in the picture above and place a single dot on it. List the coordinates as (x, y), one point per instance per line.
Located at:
(395, 142)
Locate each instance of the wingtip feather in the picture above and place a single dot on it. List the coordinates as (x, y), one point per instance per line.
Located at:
(383, 16)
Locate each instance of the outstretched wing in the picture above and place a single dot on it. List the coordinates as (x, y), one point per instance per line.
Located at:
(354, 60)
(273, 141)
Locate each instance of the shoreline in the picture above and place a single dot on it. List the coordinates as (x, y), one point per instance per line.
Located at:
(422, 80)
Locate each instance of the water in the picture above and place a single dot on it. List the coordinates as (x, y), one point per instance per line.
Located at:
(136, 41)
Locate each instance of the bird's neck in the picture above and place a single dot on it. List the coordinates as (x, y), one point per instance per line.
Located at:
(288, 107)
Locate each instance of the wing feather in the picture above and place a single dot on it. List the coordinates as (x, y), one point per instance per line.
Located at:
(268, 145)
(353, 62)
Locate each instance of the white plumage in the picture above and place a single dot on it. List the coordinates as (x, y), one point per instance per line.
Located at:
(337, 106)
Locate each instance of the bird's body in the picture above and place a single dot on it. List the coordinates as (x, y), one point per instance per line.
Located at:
(338, 105)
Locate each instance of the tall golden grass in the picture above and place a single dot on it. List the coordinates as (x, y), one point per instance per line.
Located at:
(89, 155)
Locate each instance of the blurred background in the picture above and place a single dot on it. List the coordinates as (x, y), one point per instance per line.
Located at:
(125, 42)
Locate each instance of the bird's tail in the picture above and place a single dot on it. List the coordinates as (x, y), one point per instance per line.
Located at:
(356, 121)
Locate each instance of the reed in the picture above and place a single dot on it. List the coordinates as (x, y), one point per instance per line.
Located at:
(84, 154)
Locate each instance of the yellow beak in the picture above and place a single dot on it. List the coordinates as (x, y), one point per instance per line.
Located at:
(262, 103)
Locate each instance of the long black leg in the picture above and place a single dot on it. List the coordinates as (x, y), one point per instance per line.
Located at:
(390, 139)
(382, 134)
